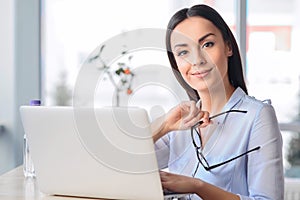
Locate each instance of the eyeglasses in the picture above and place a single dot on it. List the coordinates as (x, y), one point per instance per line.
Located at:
(202, 160)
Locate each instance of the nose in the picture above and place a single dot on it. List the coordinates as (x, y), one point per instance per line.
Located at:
(199, 62)
(198, 58)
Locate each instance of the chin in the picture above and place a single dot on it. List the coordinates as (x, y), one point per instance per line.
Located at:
(198, 85)
(200, 88)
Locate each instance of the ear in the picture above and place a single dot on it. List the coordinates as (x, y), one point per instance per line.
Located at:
(229, 51)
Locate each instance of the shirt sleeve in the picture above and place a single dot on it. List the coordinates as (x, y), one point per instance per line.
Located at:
(265, 169)
(162, 149)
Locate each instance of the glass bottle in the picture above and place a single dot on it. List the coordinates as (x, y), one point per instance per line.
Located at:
(28, 167)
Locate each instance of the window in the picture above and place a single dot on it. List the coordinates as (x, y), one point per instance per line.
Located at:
(272, 67)
(72, 30)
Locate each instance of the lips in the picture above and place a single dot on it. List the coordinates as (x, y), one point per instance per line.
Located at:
(202, 73)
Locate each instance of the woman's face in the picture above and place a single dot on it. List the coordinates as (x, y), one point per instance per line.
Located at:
(201, 53)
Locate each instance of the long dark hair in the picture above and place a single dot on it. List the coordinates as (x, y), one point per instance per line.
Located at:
(235, 69)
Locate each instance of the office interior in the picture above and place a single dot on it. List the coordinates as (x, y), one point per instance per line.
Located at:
(44, 43)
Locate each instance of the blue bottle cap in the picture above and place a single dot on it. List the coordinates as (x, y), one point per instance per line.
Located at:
(35, 102)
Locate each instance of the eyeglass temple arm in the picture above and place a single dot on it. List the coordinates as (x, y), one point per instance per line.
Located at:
(222, 113)
(227, 161)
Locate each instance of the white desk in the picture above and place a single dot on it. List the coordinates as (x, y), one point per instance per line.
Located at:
(13, 186)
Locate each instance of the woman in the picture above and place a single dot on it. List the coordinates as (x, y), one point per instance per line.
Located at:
(236, 155)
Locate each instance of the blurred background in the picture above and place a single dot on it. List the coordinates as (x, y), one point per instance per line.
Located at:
(44, 43)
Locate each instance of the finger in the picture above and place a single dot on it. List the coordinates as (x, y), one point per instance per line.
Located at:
(163, 175)
(205, 119)
(185, 108)
(192, 111)
(200, 116)
(165, 185)
(165, 180)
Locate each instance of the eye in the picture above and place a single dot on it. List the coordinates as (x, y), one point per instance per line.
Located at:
(181, 53)
(208, 44)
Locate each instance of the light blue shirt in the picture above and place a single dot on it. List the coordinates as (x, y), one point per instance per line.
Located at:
(258, 175)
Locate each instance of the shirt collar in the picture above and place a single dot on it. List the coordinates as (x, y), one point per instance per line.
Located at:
(235, 98)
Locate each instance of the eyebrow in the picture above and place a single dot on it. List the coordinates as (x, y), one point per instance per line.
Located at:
(205, 36)
(199, 41)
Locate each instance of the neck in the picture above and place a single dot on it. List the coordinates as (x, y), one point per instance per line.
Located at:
(214, 99)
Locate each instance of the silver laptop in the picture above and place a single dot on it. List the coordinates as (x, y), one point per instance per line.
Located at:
(93, 152)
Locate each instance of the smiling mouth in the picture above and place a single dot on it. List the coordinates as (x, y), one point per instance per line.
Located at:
(201, 74)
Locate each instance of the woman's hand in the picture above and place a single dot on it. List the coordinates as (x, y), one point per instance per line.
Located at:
(178, 183)
(185, 115)
(184, 184)
(181, 117)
